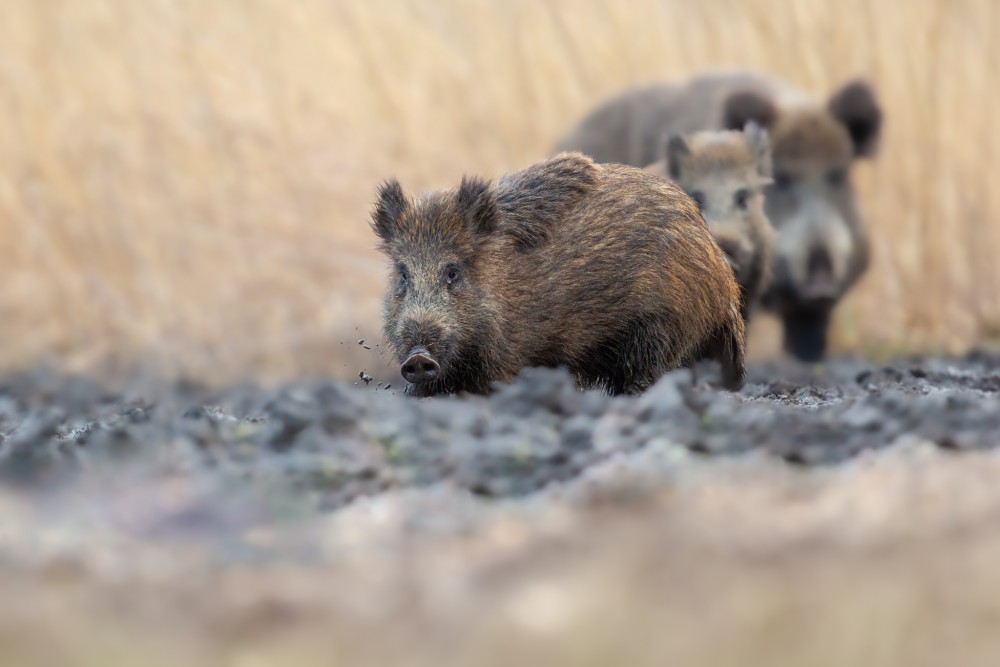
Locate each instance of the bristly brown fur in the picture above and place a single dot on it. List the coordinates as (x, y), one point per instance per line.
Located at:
(810, 135)
(606, 270)
(533, 200)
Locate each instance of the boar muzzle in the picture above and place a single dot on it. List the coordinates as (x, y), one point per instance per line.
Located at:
(820, 289)
(420, 367)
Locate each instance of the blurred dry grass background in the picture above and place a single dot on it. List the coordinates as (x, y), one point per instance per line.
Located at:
(185, 185)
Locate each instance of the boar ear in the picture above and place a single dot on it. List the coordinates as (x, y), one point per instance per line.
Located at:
(760, 148)
(477, 204)
(677, 150)
(855, 106)
(389, 207)
(745, 106)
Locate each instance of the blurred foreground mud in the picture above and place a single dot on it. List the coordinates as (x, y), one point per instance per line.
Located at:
(842, 514)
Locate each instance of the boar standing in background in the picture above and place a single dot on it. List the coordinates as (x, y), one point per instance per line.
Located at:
(822, 245)
(725, 173)
(607, 270)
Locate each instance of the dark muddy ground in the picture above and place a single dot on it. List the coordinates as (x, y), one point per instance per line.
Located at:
(322, 519)
(335, 442)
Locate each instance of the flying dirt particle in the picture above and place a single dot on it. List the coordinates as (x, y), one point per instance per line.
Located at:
(362, 344)
(364, 377)
(388, 387)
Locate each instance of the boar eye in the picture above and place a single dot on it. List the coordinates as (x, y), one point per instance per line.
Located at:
(836, 177)
(741, 198)
(452, 274)
(699, 199)
(783, 180)
(404, 275)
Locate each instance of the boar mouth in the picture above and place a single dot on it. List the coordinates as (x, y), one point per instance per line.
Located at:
(818, 294)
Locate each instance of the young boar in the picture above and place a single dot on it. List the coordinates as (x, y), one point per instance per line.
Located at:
(822, 245)
(725, 173)
(607, 270)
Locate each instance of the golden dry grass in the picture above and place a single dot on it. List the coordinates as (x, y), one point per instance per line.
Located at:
(185, 185)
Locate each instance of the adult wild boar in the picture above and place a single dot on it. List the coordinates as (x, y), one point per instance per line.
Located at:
(607, 270)
(822, 247)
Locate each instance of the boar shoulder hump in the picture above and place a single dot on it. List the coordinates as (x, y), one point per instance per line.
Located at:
(533, 200)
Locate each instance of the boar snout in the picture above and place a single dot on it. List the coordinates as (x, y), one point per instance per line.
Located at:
(420, 367)
(820, 288)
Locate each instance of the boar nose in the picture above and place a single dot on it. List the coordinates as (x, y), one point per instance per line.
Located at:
(419, 367)
(820, 285)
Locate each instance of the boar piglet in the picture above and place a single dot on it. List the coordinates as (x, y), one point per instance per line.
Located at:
(725, 173)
